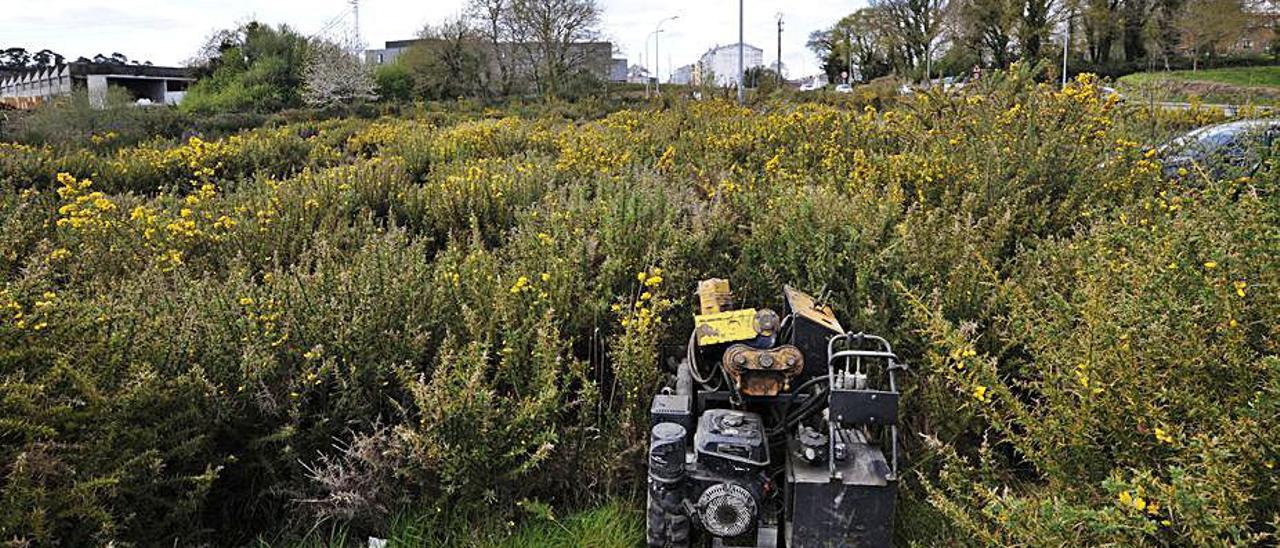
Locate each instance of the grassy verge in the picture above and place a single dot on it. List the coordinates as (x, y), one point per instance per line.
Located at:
(1239, 85)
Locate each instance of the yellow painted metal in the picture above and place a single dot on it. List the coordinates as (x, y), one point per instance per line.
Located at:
(723, 327)
(804, 305)
(714, 296)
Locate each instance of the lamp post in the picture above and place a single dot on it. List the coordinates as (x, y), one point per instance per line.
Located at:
(1066, 46)
(657, 61)
(646, 63)
(742, 76)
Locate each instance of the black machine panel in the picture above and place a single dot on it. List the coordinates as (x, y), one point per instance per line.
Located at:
(855, 508)
(812, 326)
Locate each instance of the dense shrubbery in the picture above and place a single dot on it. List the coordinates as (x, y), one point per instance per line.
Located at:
(255, 67)
(455, 312)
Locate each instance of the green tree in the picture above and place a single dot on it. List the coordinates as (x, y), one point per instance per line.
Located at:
(910, 29)
(253, 68)
(394, 82)
(447, 62)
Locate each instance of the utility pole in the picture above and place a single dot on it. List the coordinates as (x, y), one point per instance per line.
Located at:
(779, 67)
(355, 15)
(742, 76)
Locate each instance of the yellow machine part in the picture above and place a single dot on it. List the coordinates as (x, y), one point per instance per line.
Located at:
(714, 296)
(723, 327)
(804, 305)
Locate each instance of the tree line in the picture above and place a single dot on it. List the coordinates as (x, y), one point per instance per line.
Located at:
(913, 37)
(22, 59)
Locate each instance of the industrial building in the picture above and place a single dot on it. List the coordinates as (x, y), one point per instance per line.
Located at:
(156, 85)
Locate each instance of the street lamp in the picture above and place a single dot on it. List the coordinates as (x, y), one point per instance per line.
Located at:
(1066, 47)
(657, 61)
(646, 63)
(742, 76)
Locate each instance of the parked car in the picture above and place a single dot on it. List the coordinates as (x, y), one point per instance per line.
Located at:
(811, 85)
(1223, 150)
(844, 88)
(947, 83)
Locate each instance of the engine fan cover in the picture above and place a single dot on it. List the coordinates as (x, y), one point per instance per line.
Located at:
(728, 510)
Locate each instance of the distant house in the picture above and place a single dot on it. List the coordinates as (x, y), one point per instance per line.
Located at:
(722, 62)
(682, 75)
(637, 75)
(147, 84)
(1259, 33)
(595, 58)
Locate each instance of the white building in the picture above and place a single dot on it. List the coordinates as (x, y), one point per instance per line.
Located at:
(722, 62)
(682, 75)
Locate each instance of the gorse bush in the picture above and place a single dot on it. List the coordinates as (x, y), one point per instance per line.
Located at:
(460, 315)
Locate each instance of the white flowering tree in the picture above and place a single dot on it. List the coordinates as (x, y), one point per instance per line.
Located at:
(335, 76)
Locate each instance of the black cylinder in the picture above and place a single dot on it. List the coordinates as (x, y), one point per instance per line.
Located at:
(666, 452)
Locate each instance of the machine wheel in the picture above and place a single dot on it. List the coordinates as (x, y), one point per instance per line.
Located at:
(665, 529)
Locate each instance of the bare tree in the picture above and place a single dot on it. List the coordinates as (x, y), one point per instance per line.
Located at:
(491, 20)
(546, 32)
(910, 27)
(1208, 26)
(335, 76)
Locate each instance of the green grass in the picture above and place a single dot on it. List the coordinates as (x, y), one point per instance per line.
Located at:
(1239, 85)
(617, 523)
(1238, 76)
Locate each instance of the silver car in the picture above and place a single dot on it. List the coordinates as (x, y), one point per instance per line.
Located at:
(1223, 150)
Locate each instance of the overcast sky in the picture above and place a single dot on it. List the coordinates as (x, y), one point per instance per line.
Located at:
(167, 32)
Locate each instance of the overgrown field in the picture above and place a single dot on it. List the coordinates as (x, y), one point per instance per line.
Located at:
(455, 320)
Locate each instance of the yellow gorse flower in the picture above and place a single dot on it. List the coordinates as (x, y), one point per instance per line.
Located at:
(980, 394)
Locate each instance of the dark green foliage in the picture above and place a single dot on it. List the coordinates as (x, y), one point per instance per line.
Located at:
(395, 82)
(258, 68)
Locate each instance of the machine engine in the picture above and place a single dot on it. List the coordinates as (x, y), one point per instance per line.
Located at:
(773, 431)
